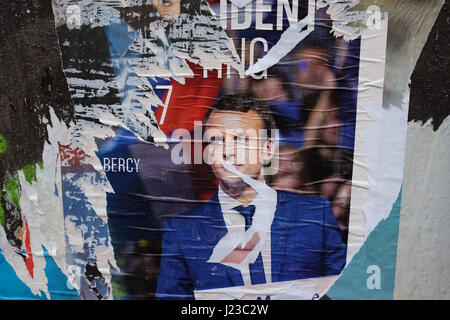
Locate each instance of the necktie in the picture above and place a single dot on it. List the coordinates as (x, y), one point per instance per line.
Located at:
(247, 213)
(257, 275)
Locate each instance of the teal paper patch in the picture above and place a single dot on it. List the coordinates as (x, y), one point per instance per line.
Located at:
(371, 273)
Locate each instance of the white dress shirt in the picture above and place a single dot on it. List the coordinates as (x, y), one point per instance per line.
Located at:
(234, 221)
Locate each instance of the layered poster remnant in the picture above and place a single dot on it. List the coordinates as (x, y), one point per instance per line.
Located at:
(219, 150)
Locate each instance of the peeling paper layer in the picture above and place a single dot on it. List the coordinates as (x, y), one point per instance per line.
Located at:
(126, 203)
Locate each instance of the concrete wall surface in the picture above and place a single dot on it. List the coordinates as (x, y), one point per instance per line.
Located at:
(423, 256)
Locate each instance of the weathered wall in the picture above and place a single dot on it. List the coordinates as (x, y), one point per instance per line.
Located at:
(31, 80)
(422, 258)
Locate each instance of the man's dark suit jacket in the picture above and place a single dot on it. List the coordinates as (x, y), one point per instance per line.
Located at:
(305, 243)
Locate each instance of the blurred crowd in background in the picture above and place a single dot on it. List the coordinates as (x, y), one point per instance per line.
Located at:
(312, 93)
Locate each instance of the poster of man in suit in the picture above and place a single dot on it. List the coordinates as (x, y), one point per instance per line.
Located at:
(224, 135)
(247, 233)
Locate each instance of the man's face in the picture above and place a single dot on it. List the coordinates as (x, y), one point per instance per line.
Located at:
(236, 138)
(288, 176)
(168, 9)
(314, 72)
(270, 89)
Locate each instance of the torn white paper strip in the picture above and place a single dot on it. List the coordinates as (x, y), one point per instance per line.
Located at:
(265, 205)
